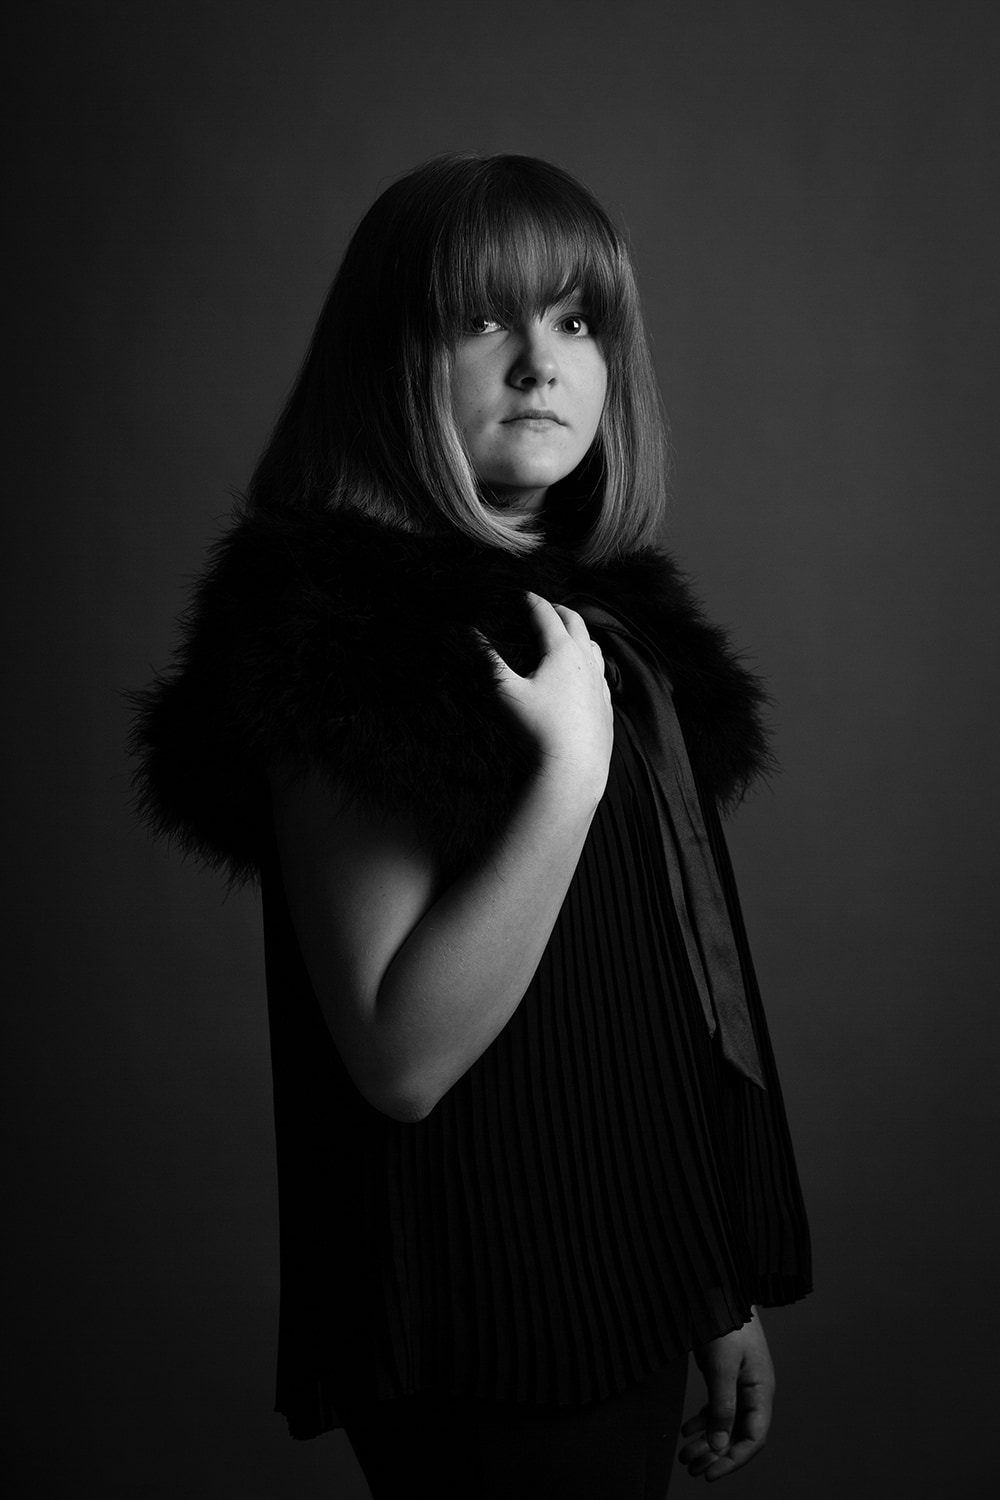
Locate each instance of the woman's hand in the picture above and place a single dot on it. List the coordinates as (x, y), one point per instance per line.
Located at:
(732, 1426)
(417, 973)
(565, 704)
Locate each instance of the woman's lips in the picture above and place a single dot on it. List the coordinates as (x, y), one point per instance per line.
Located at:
(535, 416)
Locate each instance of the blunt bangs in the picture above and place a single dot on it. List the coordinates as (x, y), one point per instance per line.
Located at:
(525, 239)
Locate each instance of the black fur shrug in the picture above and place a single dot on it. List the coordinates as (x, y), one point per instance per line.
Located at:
(329, 639)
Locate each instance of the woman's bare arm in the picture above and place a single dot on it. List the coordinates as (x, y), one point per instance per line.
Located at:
(416, 980)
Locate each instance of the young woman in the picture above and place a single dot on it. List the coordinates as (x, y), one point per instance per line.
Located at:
(441, 692)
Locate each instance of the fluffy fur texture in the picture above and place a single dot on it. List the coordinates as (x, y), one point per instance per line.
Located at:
(329, 640)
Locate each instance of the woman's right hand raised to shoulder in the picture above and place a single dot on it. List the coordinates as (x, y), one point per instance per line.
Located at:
(565, 703)
(416, 976)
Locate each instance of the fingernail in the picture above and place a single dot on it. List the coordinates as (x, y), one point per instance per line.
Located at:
(719, 1440)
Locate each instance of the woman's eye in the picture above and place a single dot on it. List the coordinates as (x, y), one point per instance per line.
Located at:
(576, 324)
(482, 324)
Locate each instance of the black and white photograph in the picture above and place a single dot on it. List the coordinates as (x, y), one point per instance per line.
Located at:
(502, 621)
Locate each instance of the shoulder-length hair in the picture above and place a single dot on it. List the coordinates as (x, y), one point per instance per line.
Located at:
(369, 422)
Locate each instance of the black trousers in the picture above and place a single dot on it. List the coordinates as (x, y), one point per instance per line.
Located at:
(623, 1448)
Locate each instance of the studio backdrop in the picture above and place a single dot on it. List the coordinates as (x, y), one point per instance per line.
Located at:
(806, 189)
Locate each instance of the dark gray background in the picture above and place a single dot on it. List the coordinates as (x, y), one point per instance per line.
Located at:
(808, 192)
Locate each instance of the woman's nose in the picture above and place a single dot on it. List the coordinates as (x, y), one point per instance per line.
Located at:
(535, 363)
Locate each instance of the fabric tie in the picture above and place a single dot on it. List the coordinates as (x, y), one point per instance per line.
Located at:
(699, 899)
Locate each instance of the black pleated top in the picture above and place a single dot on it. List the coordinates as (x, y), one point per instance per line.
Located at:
(599, 1193)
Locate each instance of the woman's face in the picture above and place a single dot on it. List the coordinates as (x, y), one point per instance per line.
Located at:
(527, 399)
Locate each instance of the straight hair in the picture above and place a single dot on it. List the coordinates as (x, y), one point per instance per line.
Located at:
(369, 422)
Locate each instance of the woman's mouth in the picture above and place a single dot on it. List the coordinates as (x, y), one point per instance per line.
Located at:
(535, 416)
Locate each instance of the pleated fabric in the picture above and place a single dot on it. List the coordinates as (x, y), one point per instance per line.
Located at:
(599, 1193)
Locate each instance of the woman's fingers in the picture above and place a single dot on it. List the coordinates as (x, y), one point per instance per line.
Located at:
(748, 1438)
(714, 1465)
(721, 1369)
(549, 620)
(695, 1424)
(573, 624)
(554, 629)
(555, 622)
